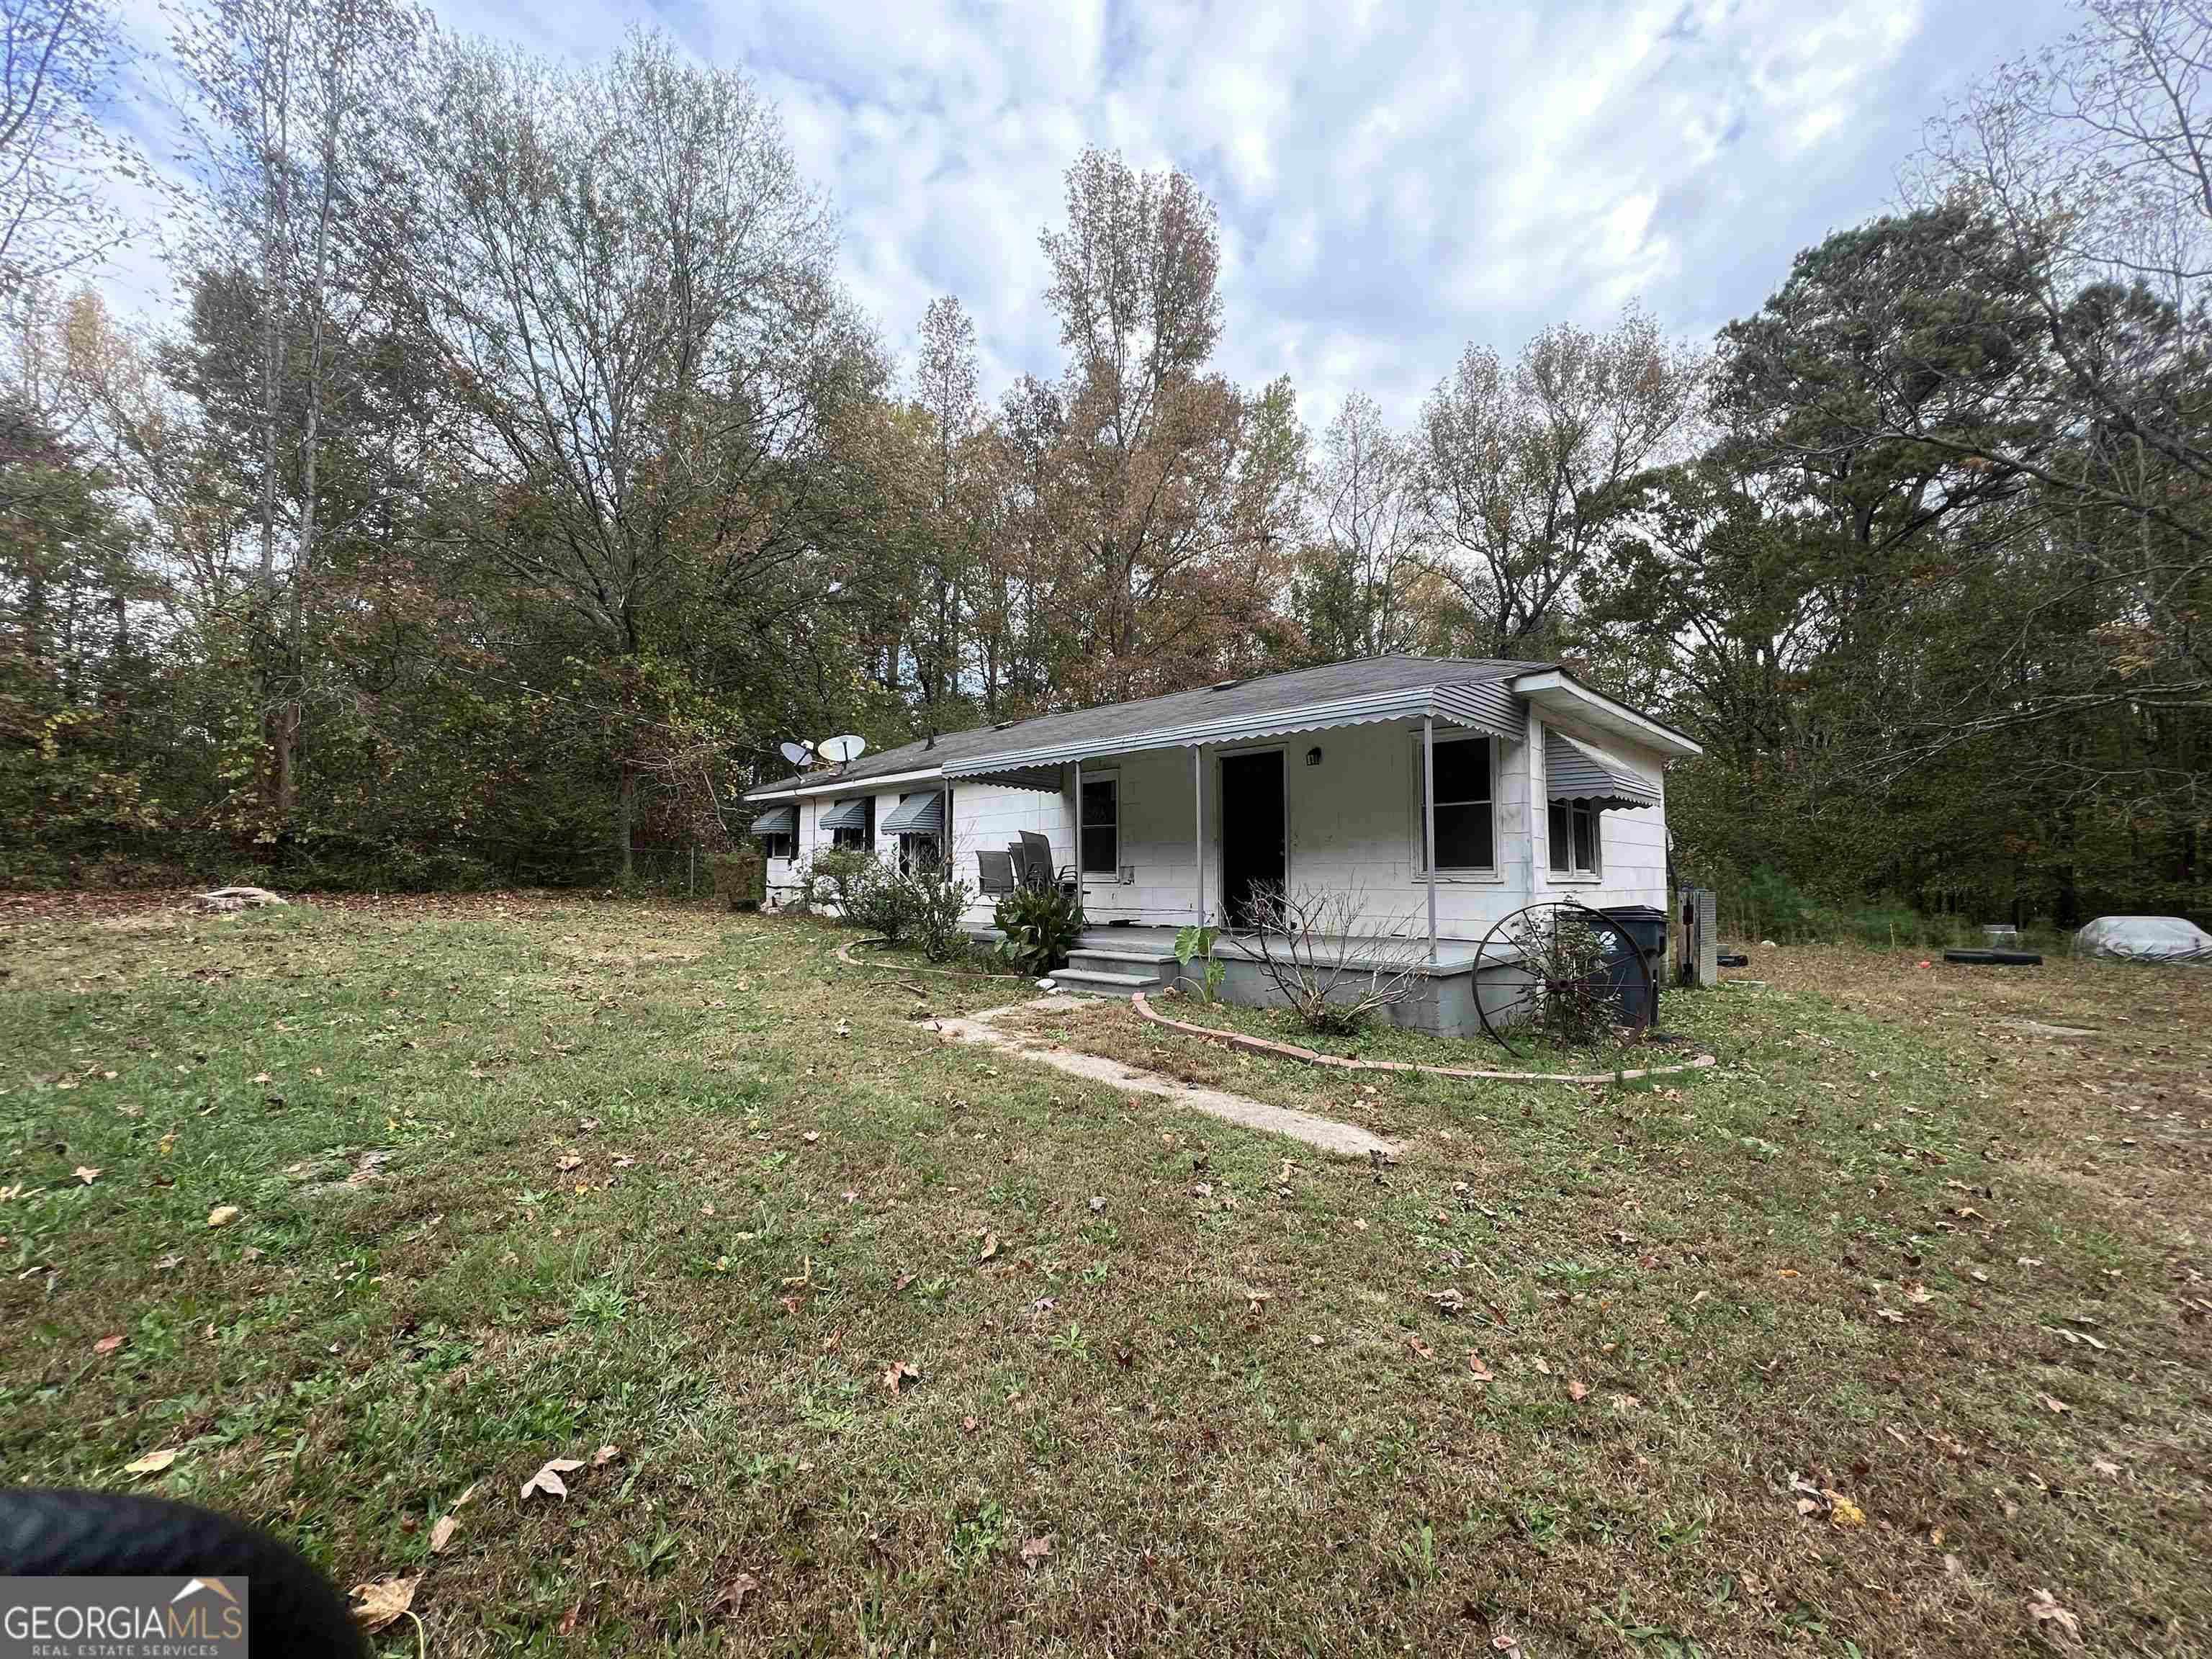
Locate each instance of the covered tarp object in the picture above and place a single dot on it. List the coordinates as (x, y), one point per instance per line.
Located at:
(2144, 939)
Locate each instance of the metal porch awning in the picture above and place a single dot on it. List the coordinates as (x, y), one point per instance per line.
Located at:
(1575, 771)
(922, 814)
(850, 813)
(777, 821)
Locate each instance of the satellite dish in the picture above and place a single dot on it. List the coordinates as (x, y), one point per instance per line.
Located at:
(844, 749)
(799, 754)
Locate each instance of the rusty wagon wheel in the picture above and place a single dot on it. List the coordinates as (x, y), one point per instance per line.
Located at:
(1561, 967)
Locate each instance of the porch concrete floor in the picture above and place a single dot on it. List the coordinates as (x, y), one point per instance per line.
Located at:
(1454, 956)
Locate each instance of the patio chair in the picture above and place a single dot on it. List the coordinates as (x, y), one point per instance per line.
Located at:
(1035, 859)
(994, 872)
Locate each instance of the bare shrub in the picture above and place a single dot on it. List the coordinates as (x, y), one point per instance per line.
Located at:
(1331, 981)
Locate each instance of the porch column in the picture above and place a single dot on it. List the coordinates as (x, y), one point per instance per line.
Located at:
(1078, 830)
(1429, 820)
(1198, 824)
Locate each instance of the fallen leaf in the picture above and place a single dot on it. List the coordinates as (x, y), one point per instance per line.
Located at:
(1481, 1369)
(152, 1463)
(2044, 1608)
(990, 1247)
(968, 1425)
(2054, 1405)
(87, 1174)
(899, 1373)
(2105, 1467)
(570, 1161)
(605, 1455)
(110, 1344)
(1317, 1340)
(1542, 1369)
(376, 1605)
(442, 1534)
(1035, 1549)
(1918, 1294)
(548, 1478)
(1785, 1272)
(1420, 1348)
(732, 1595)
(467, 1494)
(223, 1214)
(568, 1625)
(1842, 1512)
(1576, 1389)
(1894, 1315)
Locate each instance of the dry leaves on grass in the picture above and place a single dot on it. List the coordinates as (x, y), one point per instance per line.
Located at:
(1479, 1368)
(2044, 1608)
(376, 1605)
(87, 1172)
(223, 1214)
(442, 1534)
(110, 1344)
(1035, 1549)
(990, 1247)
(899, 1373)
(1421, 1349)
(548, 1478)
(1577, 1391)
(152, 1463)
(2054, 1405)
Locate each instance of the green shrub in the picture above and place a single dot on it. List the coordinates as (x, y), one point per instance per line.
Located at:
(939, 901)
(838, 874)
(740, 876)
(1041, 925)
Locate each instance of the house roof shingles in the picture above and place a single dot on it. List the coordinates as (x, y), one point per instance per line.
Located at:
(1382, 682)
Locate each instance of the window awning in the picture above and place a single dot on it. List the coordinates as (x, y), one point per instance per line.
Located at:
(850, 813)
(1575, 771)
(917, 815)
(777, 821)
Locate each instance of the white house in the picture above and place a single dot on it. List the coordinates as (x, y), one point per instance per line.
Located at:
(1538, 787)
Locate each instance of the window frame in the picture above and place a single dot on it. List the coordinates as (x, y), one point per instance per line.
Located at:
(1587, 811)
(864, 837)
(1110, 776)
(1493, 870)
(785, 839)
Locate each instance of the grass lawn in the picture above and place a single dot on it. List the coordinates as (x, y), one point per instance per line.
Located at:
(1890, 1335)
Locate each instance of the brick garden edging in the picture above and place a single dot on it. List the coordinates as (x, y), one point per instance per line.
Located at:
(1314, 1057)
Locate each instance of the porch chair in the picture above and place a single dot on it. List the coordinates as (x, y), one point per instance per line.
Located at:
(1034, 855)
(994, 872)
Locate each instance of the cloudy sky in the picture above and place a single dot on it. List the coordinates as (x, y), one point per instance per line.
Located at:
(1395, 181)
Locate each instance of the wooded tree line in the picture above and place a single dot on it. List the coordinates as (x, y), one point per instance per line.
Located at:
(517, 474)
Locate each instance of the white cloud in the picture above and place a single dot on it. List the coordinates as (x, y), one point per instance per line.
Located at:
(1395, 179)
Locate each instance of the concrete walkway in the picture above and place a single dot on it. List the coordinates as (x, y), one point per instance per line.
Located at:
(1328, 1134)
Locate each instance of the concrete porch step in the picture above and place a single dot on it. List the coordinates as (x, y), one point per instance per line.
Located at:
(1097, 953)
(1099, 982)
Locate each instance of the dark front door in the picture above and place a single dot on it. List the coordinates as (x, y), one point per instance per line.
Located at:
(1252, 835)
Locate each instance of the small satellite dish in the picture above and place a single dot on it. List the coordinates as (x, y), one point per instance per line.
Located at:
(799, 754)
(844, 749)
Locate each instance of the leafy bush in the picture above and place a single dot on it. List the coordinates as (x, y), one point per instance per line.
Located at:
(878, 897)
(740, 876)
(1041, 924)
(939, 902)
(838, 873)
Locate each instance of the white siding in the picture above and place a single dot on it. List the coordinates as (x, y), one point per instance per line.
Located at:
(1353, 825)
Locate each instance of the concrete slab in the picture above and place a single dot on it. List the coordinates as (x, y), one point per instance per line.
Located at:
(1328, 1134)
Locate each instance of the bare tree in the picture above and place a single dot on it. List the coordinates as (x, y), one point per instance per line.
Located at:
(59, 64)
(1525, 469)
(2094, 161)
(1331, 969)
(1370, 536)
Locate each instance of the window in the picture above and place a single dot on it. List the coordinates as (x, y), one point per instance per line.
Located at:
(1574, 838)
(1102, 824)
(781, 844)
(917, 853)
(861, 833)
(1466, 829)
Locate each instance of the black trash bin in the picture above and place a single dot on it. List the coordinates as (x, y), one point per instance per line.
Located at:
(1647, 927)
